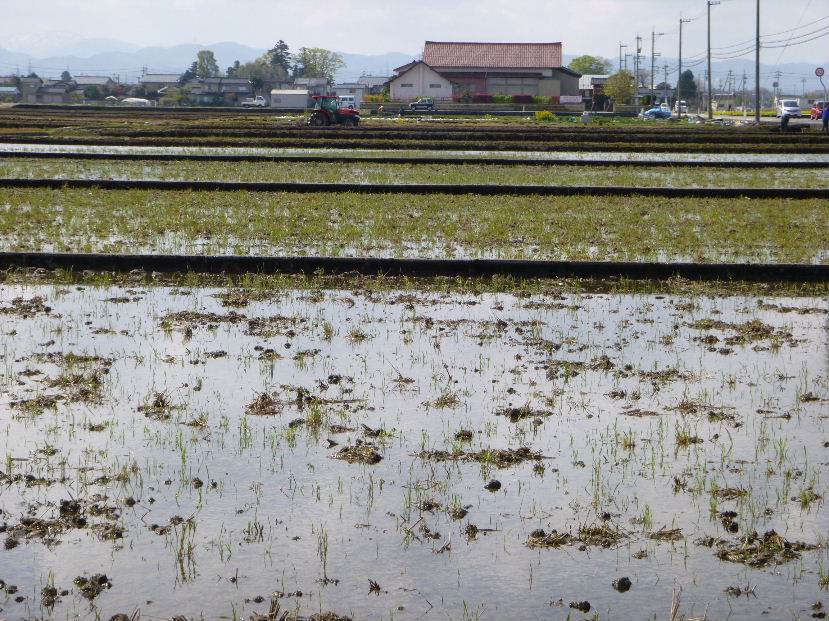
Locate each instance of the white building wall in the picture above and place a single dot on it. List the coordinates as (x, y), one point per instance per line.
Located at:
(420, 81)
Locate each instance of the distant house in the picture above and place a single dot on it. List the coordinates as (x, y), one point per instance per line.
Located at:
(417, 79)
(592, 85)
(154, 82)
(315, 86)
(102, 82)
(374, 83)
(56, 93)
(28, 89)
(9, 93)
(218, 91)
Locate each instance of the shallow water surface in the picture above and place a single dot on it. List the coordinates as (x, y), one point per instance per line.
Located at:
(187, 444)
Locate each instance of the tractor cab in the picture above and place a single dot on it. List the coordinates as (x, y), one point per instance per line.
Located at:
(327, 111)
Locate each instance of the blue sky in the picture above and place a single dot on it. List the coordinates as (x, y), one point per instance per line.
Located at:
(595, 26)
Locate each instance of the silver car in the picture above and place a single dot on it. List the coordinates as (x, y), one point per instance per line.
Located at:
(788, 107)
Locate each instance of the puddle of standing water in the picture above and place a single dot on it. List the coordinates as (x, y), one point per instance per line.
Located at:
(646, 418)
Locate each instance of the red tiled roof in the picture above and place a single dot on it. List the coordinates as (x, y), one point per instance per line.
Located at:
(499, 55)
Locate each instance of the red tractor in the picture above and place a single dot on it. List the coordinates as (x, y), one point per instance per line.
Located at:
(327, 111)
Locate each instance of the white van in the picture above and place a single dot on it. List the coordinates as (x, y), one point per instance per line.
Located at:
(346, 101)
(788, 107)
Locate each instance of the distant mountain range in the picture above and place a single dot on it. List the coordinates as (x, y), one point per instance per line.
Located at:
(51, 53)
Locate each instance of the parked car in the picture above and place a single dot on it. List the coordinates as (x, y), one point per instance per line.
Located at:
(656, 113)
(817, 110)
(665, 106)
(788, 107)
(424, 103)
(681, 106)
(255, 102)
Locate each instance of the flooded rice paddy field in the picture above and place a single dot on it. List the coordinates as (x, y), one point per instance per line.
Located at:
(466, 154)
(411, 454)
(402, 173)
(630, 228)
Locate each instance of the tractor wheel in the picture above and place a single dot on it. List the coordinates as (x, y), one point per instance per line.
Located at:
(318, 120)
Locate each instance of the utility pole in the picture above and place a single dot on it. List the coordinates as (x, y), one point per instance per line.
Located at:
(626, 60)
(621, 47)
(777, 90)
(636, 67)
(743, 88)
(654, 34)
(710, 3)
(679, 74)
(666, 87)
(757, 69)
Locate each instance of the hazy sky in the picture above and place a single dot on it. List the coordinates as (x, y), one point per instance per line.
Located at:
(362, 26)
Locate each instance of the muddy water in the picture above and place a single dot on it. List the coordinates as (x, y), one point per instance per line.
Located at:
(219, 506)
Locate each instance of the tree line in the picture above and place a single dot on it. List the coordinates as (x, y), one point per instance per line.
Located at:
(278, 64)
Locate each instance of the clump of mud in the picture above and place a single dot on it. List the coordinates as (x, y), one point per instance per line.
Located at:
(264, 405)
(26, 308)
(756, 551)
(361, 452)
(500, 458)
(744, 333)
(525, 411)
(195, 318)
(157, 407)
(594, 535)
(92, 586)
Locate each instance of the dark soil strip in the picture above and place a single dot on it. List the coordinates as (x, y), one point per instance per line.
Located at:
(428, 188)
(340, 159)
(754, 272)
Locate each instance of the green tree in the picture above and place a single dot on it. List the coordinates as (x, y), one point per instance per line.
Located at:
(65, 76)
(279, 56)
(206, 65)
(93, 92)
(687, 87)
(231, 71)
(591, 65)
(260, 72)
(316, 62)
(620, 87)
(189, 74)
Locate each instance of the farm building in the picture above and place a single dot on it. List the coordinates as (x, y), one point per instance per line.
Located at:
(154, 82)
(417, 79)
(289, 99)
(591, 85)
(213, 91)
(102, 82)
(494, 68)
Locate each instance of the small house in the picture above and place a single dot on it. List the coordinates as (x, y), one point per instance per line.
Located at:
(417, 79)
